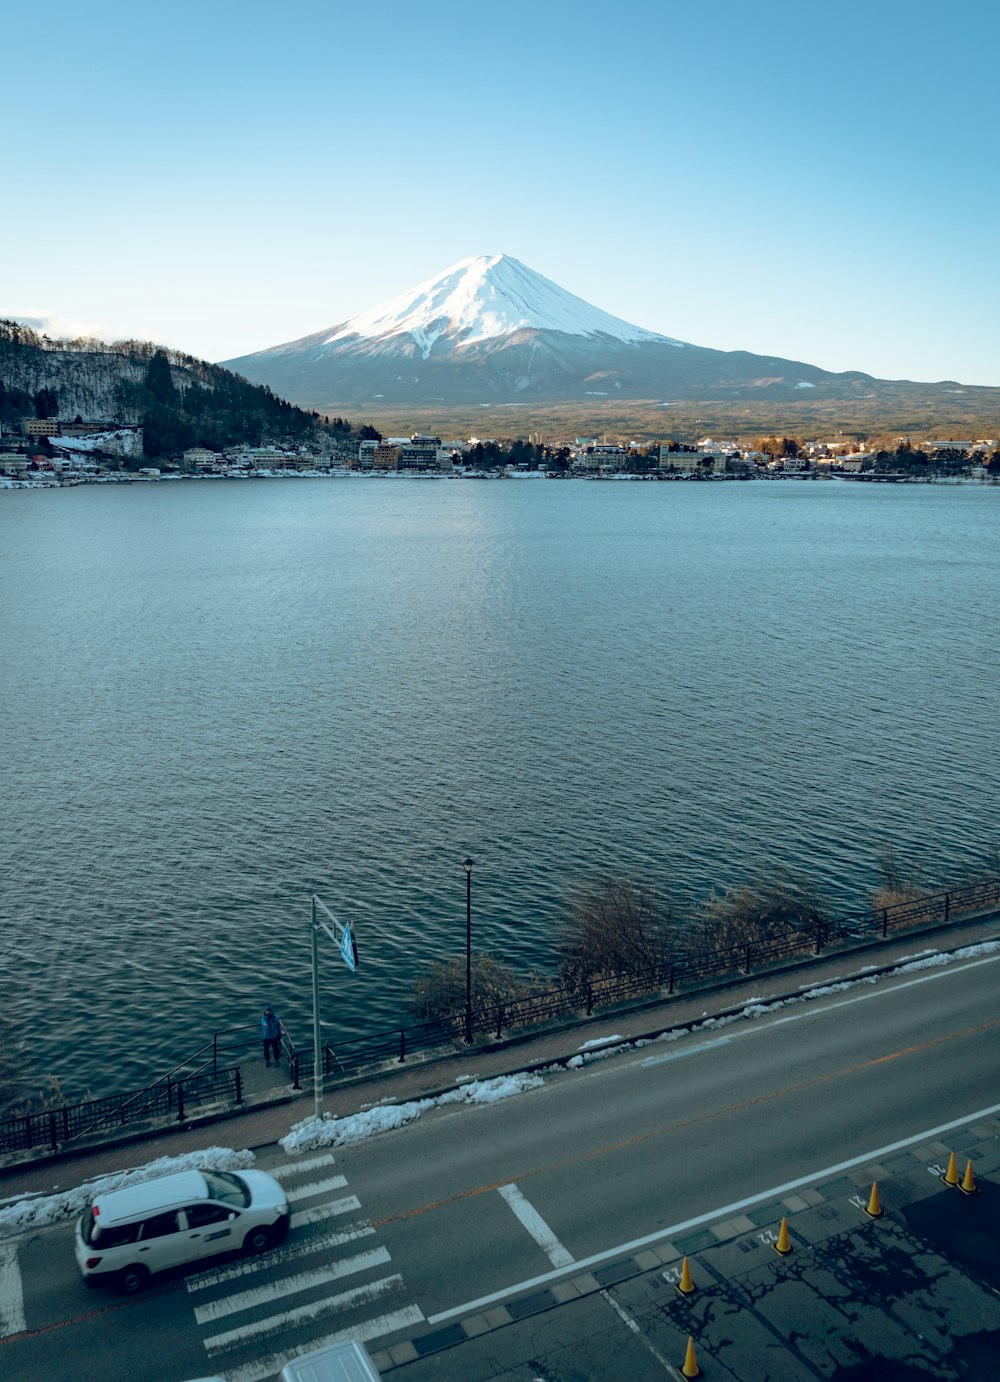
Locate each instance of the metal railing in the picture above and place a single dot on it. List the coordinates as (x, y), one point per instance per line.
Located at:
(212, 1076)
(168, 1098)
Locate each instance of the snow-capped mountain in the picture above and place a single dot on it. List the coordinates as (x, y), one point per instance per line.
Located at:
(484, 299)
(490, 329)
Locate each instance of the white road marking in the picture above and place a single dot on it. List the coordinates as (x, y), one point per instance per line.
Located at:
(273, 1324)
(724, 1212)
(278, 1257)
(317, 1187)
(266, 1368)
(320, 1212)
(292, 1168)
(278, 1287)
(12, 1319)
(536, 1226)
(638, 1331)
(685, 1051)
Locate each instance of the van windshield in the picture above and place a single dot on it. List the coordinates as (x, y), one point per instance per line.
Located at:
(227, 1188)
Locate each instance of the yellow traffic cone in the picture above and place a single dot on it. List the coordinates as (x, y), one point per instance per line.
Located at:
(968, 1186)
(690, 1368)
(950, 1176)
(783, 1245)
(874, 1209)
(685, 1285)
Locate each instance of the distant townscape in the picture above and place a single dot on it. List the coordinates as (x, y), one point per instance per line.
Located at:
(53, 451)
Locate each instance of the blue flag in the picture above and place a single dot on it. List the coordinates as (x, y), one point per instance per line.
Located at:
(348, 949)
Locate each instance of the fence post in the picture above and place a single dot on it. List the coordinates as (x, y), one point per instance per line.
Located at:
(180, 1101)
(239, 1085)
(746, 959)
(885, 922)
(590, 999)
(947, 907)
(53, 1136)
(65, 1123)
(295, 1070)
(670, 989)
(499, 1020)
(402, 1045)
(819, 937)
(215, 1053)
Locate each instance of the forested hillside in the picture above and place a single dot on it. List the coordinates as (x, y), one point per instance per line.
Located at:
(178, 400)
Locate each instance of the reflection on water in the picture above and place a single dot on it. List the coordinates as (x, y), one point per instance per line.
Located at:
(220, 698)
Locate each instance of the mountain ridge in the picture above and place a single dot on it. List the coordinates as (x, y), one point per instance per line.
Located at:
(490, 329)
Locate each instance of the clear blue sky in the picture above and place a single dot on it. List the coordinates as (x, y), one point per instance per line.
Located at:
(818, 181)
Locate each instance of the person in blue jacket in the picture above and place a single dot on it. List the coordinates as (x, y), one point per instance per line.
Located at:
(272, 1030)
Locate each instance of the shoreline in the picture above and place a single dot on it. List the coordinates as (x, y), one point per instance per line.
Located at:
(342, 473)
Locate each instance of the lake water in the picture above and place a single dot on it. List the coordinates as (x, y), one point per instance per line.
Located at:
(220, 697)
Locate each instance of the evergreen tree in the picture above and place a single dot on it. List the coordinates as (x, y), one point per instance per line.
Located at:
(159, 380)
(46, 403)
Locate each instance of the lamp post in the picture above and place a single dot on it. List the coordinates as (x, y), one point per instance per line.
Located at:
(467, 865)
(317, 1044)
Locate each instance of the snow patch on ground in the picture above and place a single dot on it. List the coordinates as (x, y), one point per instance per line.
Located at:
(314, 1132)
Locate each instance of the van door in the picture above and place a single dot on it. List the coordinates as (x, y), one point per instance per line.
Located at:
(162, 1242)
(211, 1229)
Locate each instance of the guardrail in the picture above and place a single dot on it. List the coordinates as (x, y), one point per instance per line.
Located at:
(203, 1080)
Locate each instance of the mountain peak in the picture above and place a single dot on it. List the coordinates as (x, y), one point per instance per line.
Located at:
(481, 299)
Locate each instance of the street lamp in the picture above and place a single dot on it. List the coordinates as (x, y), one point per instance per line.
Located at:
(317, 1044)
(467, 865)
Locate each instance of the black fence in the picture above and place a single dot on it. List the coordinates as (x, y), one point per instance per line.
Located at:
(168, 1098)
(207, 1080)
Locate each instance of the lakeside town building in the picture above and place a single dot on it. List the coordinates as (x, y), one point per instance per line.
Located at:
(55, 450)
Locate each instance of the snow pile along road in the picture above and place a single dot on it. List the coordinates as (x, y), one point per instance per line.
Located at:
(328, 1131)
(51, 1209)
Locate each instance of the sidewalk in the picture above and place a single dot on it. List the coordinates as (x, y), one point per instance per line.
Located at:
(264, 1123)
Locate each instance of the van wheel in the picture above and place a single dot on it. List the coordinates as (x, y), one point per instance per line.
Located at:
(257, 1240)
(132, 1280)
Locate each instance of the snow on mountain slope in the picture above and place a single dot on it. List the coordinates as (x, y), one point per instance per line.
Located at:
(482, 299)
(489, 329)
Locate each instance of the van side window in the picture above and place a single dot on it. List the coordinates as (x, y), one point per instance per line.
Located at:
(118, 1236)
(160, 1225)
(198, 1214)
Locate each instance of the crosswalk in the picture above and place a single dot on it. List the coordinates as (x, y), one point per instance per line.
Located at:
(330, 1275)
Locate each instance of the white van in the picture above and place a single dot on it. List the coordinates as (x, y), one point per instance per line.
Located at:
(127, 1235)
(343, 1362)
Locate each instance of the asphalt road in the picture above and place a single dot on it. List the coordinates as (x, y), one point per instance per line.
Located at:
(470, 1208)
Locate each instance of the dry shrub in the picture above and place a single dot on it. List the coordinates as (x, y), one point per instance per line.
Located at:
(895, 886)
(439, 991)
(21, 1099)
(775, 905)
(615, 925)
